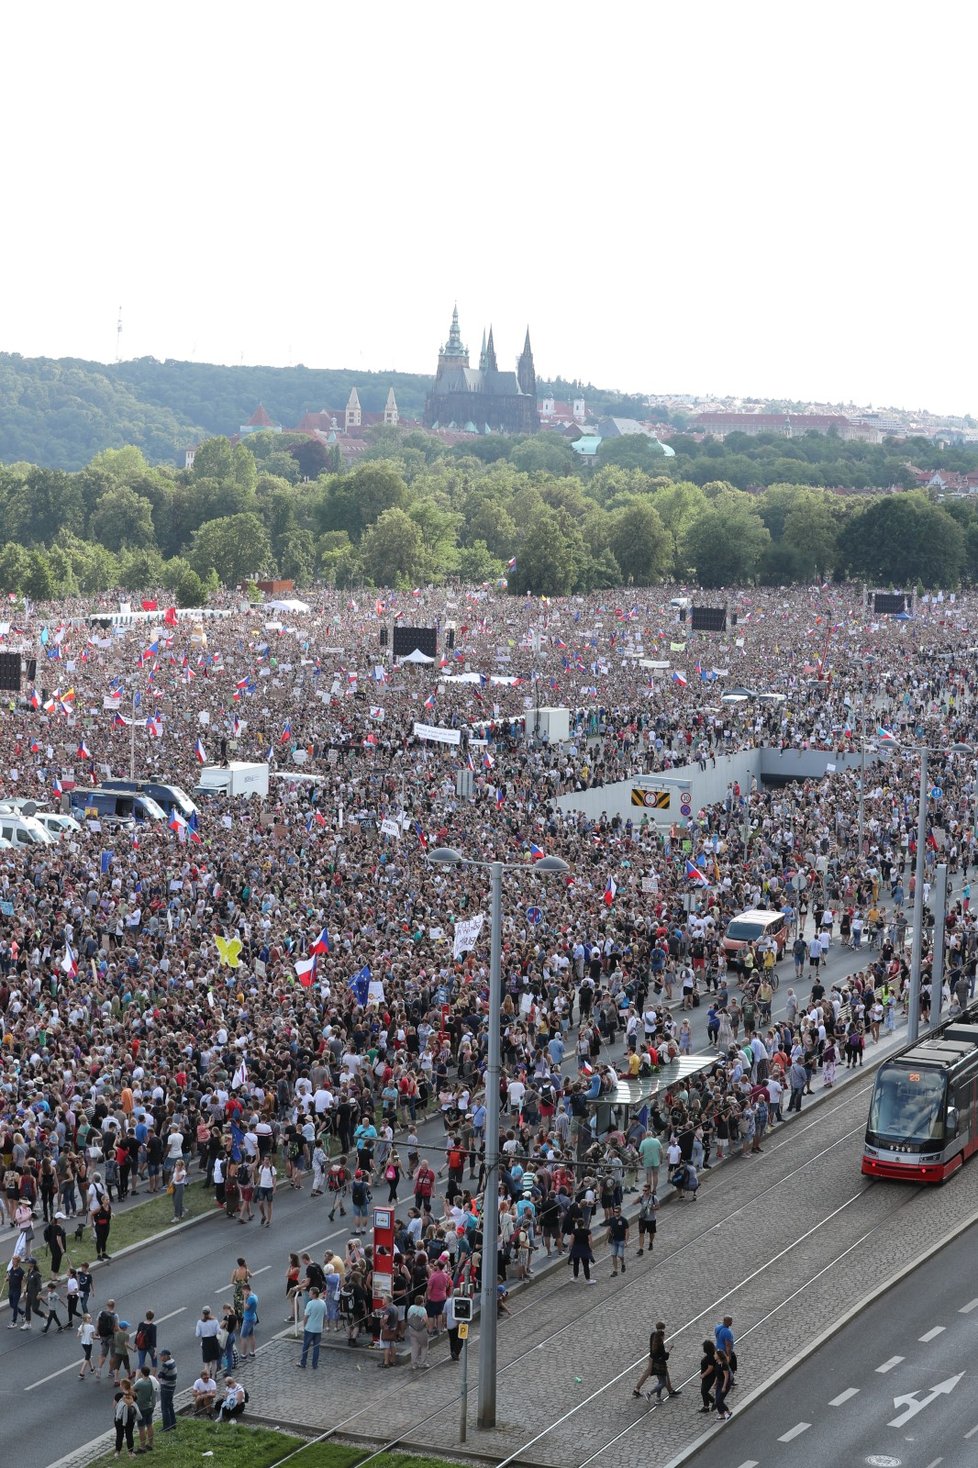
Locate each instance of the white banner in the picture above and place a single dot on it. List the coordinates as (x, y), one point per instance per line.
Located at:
(467, 934)
(389, 828)
(436, 734)
(377, 713)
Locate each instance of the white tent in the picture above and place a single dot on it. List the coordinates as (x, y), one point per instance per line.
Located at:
(288, 604)
(417, 656)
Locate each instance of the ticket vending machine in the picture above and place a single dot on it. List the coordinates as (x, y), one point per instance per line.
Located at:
(383, 1275)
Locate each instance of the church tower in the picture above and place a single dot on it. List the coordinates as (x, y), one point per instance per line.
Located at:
(490, 355)
(391, 415)
(352, 415)
(525, 372)
(453, 354)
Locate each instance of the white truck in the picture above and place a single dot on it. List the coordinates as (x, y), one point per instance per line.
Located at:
(237, 777)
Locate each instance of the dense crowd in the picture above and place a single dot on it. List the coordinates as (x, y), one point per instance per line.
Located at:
(135, 1046)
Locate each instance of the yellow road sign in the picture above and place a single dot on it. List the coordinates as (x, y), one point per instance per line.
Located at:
(463, 1331)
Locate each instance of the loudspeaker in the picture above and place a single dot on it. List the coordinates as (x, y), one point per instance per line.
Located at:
(31, 669)
(709, 619)
(733, 619)
(682, 614)
(10, 671)
(383, 636)
(451, 639)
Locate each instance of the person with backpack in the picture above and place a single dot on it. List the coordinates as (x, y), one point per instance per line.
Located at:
(145, 1340)
(360, 1198)
(424, 1187)
(105, 1327)
(337, 1185)
(456, 1168)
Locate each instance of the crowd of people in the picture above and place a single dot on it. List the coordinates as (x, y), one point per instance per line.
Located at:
(139, 1052)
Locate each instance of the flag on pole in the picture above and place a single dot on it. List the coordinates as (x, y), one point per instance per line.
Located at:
(610, 891)
(679, 678)
(305, 969)
(695, 875)
(200, 752)
(360, 984)
(535, 851)
(69, 963)
(56, 786)
(321, 945)
(286, 733)
(83, 750)
(886, 736)
(420, 833)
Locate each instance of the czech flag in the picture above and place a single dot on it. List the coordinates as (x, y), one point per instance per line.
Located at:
(177, 823)
(199, 752)
(693, 874)
(535, 851)
(679, 678)
(886, 736)
(83, 751)
(321, 944)
(610, 892)
(69, 964)
(56, 786)
(286, 733)
(305, 971)
(420, 833)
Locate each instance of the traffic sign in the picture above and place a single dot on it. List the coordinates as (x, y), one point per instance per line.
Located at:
(463, 1332)
(685, 809)
(534, 915)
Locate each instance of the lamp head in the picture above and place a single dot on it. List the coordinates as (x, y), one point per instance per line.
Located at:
(446, 856)
(550, 864)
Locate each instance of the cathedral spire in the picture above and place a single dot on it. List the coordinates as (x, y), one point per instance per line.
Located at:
(525, 372)
(453, 354)
(490, 355)
(482, 354)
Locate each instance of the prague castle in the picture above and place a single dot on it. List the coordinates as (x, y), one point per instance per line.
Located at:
(482, 399)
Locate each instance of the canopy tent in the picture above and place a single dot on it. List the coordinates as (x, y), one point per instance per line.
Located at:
(417, 656)
(288, 604)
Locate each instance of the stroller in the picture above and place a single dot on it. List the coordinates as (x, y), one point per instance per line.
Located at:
(685, 1180)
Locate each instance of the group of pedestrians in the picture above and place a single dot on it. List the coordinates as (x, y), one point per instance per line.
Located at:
(717, 1373)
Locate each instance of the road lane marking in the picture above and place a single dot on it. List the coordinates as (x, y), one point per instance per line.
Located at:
(935, 1463)
(160, 1318)
(795, 1431)
(223, 1289)
(889, 1365)
(970, 1434)
(748, 1463)
(73, 1366)
(967, 1309)
(932, 1334)
(850, 1391)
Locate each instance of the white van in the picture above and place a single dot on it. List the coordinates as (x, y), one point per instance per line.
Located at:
(57, 824)
(24, 830)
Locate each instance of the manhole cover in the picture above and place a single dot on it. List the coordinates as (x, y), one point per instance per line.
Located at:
(883, 1460)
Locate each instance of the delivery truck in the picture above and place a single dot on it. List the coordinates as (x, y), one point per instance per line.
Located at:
(237, 777)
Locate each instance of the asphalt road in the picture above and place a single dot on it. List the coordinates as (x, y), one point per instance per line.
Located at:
(46, 1410)
(894, 1389)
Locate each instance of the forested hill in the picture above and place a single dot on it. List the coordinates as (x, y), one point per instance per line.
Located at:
(59, 413)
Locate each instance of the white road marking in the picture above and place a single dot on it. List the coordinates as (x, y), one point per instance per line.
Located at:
(970, 1434)
(223, 1289)
(749, 1463)
(850, 1391)
(795, 1431)
(935, 1463)
(160, 1318)
(889, 1365)
(932, 1334)
(967, 1309)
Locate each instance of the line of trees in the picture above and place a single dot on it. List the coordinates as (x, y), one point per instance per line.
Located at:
(413, 511)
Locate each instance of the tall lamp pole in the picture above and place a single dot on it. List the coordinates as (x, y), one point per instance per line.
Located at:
(448, 856)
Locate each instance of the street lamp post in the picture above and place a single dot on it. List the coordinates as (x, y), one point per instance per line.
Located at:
(448, 856)
(916, 950)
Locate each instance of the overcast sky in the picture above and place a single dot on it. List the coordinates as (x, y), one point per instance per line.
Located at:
(774, 200)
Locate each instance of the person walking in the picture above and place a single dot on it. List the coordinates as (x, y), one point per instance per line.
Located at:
(797, 1080)
(124, 1414)
(417, 1335)
(102, 1224)
(15, 1288)
(105, 1327)
(168, 1386)
(56, 1240)
(580, 1250)
(144, 1393)
(708, 1373)
(145, 1340)
(33, 1286)
(265, 1193)
(617, 1238)
(722, 1383)
(206, 1332)
(178, 1183)
(51, 1302)
(249, 1319)
(313, 1322)
(86, 1339)
(723, 1338)
(657, 1366)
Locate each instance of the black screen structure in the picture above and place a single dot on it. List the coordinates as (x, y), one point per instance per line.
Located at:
(890, 603)
(709, 619)
(10, 671)
(415, 639)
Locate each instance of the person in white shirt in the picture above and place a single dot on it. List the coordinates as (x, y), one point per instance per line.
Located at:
(86, 1336)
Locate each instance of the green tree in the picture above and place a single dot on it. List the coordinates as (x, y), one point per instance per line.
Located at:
(122, 518)
(297, 556)
(552, 556)
(544, 451)
(189, 590)
(39, 582)
(640, 543)
(726, 542)
(678, 507)
(634, 451)
(392, 550)
(15, 568)
(810, 530)
(904, 539)
(235, 546)
(439, 530)
(141, 568)
(356, 500)
(476, 563)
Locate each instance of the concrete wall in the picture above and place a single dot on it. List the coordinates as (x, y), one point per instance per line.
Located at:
(703, 787)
